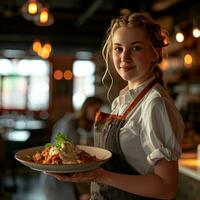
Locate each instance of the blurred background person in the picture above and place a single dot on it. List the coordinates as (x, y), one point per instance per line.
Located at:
(77, 126)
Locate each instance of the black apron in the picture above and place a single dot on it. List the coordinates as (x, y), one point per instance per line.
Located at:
(107, 129)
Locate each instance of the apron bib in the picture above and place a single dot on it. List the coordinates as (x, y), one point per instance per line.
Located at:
(107, 132)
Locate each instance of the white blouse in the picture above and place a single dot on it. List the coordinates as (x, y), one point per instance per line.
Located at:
(153, 129)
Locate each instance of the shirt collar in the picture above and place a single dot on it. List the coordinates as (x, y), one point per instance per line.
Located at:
(126, 95)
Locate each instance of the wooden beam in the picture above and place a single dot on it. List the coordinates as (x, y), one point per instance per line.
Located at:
(89, 12)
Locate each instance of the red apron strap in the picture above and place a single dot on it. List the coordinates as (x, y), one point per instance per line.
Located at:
(102, 117)
(139, 97)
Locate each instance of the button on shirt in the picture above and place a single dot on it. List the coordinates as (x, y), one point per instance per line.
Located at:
(153, 129)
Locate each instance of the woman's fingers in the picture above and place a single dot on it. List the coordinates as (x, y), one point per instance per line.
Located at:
(76, 177)
(60, 177)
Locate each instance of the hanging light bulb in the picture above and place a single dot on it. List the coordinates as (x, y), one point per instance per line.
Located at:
(195, 31)
(31, 9)
(179, 35)
(44, 15)
(45, 18)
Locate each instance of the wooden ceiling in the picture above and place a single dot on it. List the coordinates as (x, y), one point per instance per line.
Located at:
(81, 24)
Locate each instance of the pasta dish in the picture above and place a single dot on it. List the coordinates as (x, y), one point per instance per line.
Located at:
(62, 152)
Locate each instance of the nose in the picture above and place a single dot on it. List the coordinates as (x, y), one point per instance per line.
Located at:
(126, 56)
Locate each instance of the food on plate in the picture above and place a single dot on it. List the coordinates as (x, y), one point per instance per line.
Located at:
(62, 151)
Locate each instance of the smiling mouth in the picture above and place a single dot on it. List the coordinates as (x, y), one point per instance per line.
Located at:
(127, 68)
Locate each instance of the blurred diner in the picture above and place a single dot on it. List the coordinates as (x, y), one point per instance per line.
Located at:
(78, 127)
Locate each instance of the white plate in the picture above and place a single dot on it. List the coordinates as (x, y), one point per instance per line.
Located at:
(24, 156)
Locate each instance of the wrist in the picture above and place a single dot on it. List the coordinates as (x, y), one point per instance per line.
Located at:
(100, 175)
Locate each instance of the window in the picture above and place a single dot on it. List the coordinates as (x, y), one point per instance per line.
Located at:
(24, 84)
(83, 86)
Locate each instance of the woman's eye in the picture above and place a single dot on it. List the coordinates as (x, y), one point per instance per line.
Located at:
(137, 48)
(118, 49)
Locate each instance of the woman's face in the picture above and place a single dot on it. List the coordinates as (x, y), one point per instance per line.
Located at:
(132, 55)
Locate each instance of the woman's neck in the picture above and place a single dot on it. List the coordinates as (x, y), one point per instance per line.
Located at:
(134, 84)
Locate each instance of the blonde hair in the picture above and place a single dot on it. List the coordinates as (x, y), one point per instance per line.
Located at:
(158, 38)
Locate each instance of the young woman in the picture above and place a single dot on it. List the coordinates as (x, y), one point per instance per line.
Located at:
(144, 128)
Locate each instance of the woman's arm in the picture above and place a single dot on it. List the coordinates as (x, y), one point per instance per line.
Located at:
(162, 184)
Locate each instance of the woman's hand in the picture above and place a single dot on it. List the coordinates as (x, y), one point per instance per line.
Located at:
(78, 177)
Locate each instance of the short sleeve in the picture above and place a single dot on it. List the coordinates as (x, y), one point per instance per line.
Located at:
(162, 131)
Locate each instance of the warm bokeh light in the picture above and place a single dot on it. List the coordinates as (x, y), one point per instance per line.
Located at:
(196, 32)
(68, 75)
(179, 37)
(37, 46)
(44, 15)
(164, 65)
(32, 7)
(188, 60)
(45, 18)
(43, 53)
(58, 75)
(48, 47)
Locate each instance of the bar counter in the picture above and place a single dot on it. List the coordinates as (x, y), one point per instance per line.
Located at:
(189, 165)
(189, 179)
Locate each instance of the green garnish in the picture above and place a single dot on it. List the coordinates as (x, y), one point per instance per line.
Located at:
(60, 138)
(48, 145)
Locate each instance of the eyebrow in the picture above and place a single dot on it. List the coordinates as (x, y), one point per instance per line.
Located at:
(132, 43)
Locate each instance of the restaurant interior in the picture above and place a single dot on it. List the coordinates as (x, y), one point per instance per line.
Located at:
(50, 61)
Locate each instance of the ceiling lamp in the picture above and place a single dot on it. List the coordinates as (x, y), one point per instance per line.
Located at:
(31, 9)
(44, 18)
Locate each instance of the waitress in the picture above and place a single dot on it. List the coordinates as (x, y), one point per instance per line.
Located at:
(144, 129)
